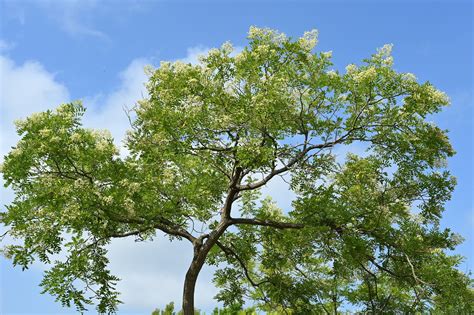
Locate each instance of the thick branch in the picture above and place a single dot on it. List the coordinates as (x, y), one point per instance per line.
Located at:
(160, 223)
(231, 195)
(176, 231)
(275, 224)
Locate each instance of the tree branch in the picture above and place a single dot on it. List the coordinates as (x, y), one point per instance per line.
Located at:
(158, 222)
(413, 272)
(292, 162)
(275, 224)
(229, 252)
(168, 227)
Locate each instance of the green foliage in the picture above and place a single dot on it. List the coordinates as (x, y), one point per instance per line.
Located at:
(169, 310)
(363, 231)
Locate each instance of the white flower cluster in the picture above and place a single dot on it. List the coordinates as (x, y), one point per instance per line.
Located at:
(149, 70)
(76, 137)
(254, 31)
(102, 145)
(332, 74)
(101, 133)
(108, 200)
(309, 40)
(351, 69)
(326, 54)
(129, 206)
(227, 48)
(180, 66)
(385, 50)
(409, 77)
(129, 186)
(165, 66)
(275, 37)
(368, 74)
(15, 152)
(65, 111)
(240, 57)
(383, 55)
(437, 97)
(55, 139)
(80, 183)
(388, 61)
(45, 132)
(214, 52)
(262, 49)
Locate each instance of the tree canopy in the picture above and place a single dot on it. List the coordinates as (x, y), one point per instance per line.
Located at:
(363, 232)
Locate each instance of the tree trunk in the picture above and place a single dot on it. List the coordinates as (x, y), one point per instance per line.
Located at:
(201, 249)
(190, 285)
(200, 254)
(188, 293)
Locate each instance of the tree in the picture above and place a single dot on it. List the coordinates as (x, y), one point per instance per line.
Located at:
(169, 310)
(363, 231)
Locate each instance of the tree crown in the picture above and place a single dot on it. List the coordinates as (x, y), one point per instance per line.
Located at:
(363, 230)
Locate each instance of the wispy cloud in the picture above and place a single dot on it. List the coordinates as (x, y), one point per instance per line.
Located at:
(74, 17)
(73, 26)
(6, 45)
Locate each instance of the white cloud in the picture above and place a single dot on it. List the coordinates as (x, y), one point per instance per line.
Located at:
(108, 111)
(194, 53)
(279, 190)
(25, 89)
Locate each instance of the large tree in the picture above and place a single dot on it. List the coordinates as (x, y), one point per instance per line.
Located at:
(363, 232)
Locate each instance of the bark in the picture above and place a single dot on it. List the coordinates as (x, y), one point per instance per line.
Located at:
(201, 249)
(189, 286)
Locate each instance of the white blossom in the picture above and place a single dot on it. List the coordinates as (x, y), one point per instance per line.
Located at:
(309, 40)
(332, 74)
(327, 54)
(385, 50)
(76, 137)
(227, 47)
(409, 77)
(388, 61)
(366, 75)
(350, 69)
(45, 132)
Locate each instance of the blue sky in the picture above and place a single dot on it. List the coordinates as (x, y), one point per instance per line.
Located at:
(56, 51)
